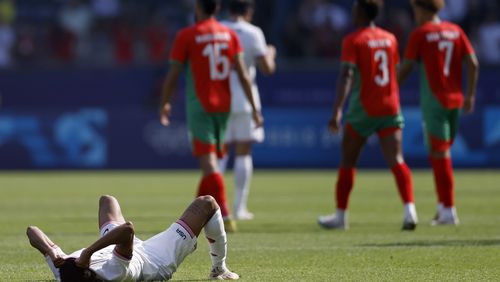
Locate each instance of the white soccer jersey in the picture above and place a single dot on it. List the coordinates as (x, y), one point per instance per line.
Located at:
(254, 46)
(154, 259)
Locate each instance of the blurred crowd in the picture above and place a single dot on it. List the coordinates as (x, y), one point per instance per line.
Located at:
(41, 33)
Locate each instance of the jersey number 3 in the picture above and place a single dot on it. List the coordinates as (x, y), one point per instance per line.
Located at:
(383, 65)
(219, 63)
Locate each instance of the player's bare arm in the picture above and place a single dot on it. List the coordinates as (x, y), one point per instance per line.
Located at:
(121, 236)
(404, 71)
(344, 84)
(42, 243)
(472, 78)
(169, 87)
(245, 81)
(267, 63)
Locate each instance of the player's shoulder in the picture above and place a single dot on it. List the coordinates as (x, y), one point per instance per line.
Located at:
(244, 27)
(450, 25)
(385, 33)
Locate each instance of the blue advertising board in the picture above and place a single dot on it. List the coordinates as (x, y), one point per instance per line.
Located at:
(109, 120)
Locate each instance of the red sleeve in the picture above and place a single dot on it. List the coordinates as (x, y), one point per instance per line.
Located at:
(468, 49)
(397, 59)
(235, 42)
(412, 51)
(348, 51)
(179, 51)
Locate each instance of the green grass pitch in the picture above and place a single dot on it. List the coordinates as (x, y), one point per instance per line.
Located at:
(283, 243)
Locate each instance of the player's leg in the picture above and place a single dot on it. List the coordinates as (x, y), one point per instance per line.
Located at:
(204, 212)
(245, 133)
(440, 156)
(243, 170)
(208, 132)
(352, 144)
(110, 214)
(391, 143)
(51, 252)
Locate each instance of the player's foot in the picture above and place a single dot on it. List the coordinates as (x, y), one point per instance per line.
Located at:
(332, 222)
(409, 225)
(230, 225)
(243, 215)
(409, 217)
(448, 216)
(222, 273)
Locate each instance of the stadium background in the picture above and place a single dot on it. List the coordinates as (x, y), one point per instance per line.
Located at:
(80, 83)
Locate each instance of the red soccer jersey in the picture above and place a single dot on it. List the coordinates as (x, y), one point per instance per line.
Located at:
(441, 47)
(209, 50)
(374, 54)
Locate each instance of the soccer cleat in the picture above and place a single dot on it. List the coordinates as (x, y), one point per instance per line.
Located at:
(243, 215)
(230, 225)
(222, 273)
(332, 222)
(448, 216)
(409, 225)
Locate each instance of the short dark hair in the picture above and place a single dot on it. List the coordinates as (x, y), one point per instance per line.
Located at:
(209, 7)
(433, 6)
(240, 7)
(70, 272)
(370, 8)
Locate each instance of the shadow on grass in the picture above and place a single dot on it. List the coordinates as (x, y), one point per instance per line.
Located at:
(438, 243)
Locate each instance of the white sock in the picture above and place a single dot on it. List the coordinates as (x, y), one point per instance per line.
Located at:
(243, 169)
(223, 163)
(410, 212)
(440, 208)
(216, 236)
(341, 215)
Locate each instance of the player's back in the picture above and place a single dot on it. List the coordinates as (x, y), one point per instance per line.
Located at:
(441, 48)
(374, 53)
(208, 49)
(254, 46)
(251, 39)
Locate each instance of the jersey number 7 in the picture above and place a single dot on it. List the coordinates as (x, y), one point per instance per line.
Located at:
(219, 63)
(446, 46)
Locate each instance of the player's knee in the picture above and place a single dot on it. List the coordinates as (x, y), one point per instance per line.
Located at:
(30, 230)
(106, 200)
(129, 227)
(208, 203)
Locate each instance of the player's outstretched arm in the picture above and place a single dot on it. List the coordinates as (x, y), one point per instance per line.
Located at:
(404, 71)
(267, 63)
(245, 81)
(42, 243)
(472, 78)
(121, 236)
(169, 87)
(344, 84)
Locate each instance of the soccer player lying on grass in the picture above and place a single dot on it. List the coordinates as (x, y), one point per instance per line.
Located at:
(120, 256)
(441, 48)
(369, 59)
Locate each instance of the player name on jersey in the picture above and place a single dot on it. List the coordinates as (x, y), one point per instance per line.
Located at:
(211, 37)
(444, 34)
(380, 43)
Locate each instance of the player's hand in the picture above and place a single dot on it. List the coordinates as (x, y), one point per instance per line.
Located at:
(335, 122)
(84, 260)
(258, 119)
(469, 104)
(165, 112)
(271, 51)
(56, 258)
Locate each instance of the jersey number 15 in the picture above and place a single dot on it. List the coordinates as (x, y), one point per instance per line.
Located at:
(219, 63)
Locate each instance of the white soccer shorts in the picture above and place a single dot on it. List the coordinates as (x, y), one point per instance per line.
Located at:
(241, 128)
